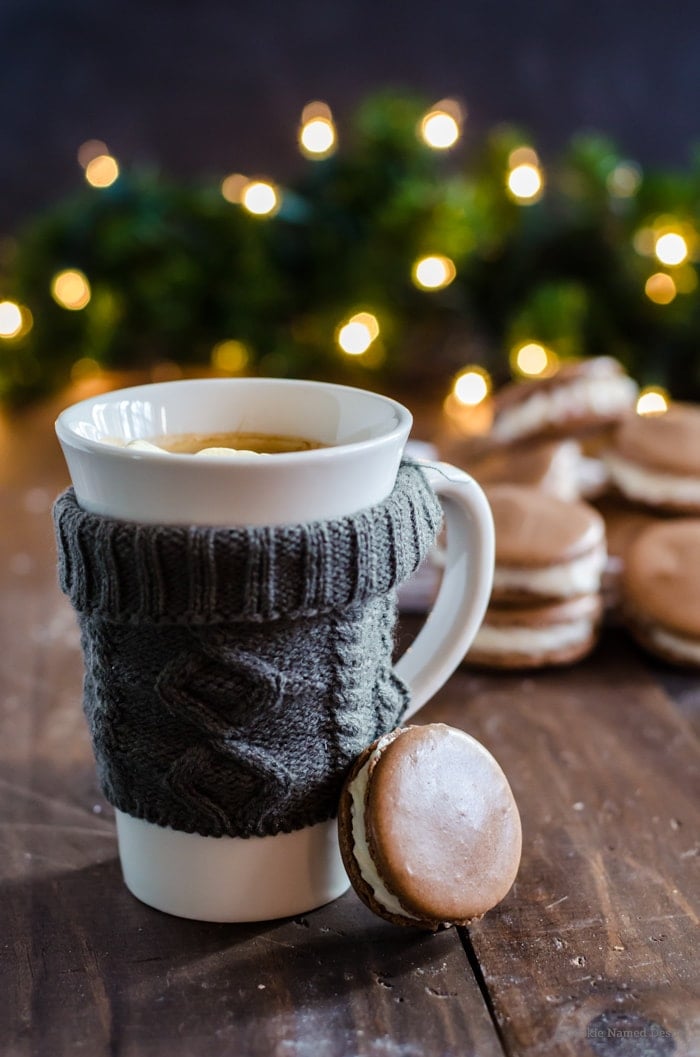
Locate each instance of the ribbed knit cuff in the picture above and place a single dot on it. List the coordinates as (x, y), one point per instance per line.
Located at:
(167, 574)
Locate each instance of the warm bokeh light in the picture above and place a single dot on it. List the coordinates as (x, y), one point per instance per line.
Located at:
(71, 289)
(233, 186)
(671, 248)
(317, 137)
(533, 360)
(260, 197)
(434, 273)
(652, 400)
(102, 171)
(316, 108)
(624, 180)
(231, 356)
(356, 336)
(472, 386)
(643, 241)
(442, 126)
(525, 183)
(10, 319)
(91, 149)
(660, 288)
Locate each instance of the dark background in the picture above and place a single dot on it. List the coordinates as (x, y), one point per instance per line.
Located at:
(199, 89)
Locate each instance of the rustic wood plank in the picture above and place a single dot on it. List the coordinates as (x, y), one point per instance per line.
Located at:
(599, 933)
(84, 967)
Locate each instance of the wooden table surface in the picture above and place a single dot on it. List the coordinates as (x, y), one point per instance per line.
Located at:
(594, 951)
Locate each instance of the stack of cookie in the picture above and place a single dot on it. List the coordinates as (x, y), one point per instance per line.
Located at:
(576, 436)
(546, 604)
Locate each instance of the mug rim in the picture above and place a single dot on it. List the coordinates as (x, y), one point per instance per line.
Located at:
(68, 435)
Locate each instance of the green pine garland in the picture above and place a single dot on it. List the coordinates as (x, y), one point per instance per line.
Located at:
(175, 270)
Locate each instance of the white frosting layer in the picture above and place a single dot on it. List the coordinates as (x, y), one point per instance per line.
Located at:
(503, 640)
(358, 789)
(598, 396)
(652, 486)
(677, 645)
(579, 577)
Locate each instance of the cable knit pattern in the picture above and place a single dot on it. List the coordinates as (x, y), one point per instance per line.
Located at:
(233, 674)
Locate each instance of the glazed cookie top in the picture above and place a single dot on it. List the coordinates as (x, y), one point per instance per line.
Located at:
(661, 580)
(669, 442)
(551, 465)
(534, 530)
(442, 823)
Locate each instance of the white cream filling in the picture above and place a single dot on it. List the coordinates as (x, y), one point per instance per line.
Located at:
(678, 645)
(579, 577)
(599, 396)
(650, 486)
(495, 640)
(358, 789)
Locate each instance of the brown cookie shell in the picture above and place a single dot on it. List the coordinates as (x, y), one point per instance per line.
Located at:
(600, 368)
(661, 579)
(584, 607)
(534, 530)
(669, 443)
(442, 825)
(642, 632)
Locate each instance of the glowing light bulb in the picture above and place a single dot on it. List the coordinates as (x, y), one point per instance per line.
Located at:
(525, 183)
(11, 321)
(260, 198)
(472, 386)
(102, 171)
(671, 248)
(232, 356)
(233, 186)
(356, 336)
(534, 360)
(660, 288)
(317, 137)
(71, 289)
(652, 400)
(442, 126)
(434, 273)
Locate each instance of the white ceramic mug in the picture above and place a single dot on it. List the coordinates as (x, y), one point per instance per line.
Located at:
(258, 878)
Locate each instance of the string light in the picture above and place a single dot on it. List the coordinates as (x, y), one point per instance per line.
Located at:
(533, 360)
(652, 400)
(660, 288)
(525, 183)
(356, 336)
(471, 386)
(671, 248)
(10, 319)
(102, 171)
(433, 273)
(71, 289)
(317, 135)
(260, 198)
(230, 356)
(441, 127)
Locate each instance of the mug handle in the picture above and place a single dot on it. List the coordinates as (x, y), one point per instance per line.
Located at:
(465, 589)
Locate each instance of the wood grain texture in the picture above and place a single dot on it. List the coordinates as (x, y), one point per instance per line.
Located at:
(601, 926)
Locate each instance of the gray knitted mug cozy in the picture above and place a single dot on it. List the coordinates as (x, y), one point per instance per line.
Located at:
(232, 675)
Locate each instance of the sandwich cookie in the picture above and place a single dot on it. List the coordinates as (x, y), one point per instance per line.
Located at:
(655, 459)
(546, 549)
(623, 523)
(583, 395)
(537, 636)
(552, 466)
(661, 590)
(429, 829)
